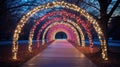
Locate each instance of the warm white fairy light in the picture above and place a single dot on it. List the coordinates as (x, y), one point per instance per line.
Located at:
(70, 33)
(66, 5)
(58, 28)
(56, 23)
(80, 31)
(67, 21)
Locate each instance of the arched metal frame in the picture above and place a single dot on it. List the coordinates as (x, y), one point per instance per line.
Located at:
(64, 15)
(67, 21)
(65, 5)
(61, 24)
(69, 37)
(68, 32)
(77, 28)
(57, 28)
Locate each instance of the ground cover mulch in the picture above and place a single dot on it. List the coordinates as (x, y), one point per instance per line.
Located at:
(95, 56)
(23, 54)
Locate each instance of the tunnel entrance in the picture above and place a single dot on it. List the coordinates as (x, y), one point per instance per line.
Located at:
(60, 35)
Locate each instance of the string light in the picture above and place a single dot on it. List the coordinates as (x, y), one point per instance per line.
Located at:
(54, 29)
(61, 24)
(65, 5)
(65, 15)
(67, 21)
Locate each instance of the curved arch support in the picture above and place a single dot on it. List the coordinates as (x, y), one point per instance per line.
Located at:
(53, 30)
(56, 23)
(65, 5)
(67, 21)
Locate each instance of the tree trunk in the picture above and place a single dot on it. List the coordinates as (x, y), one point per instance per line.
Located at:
(103, 23)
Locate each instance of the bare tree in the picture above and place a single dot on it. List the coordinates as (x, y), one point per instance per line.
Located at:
(104, 11)
(100, 8)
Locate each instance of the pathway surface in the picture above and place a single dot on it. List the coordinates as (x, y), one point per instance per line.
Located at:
(60, 53)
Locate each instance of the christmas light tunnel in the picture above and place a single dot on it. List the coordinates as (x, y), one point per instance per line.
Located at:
(64, 5)
(70, 22)
(64, 15)
(54, 20)
(61, 25)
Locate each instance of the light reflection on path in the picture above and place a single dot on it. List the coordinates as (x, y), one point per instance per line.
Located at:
(60, 53)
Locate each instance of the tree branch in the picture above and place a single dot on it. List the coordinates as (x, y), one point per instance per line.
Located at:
(25, 4)
(90, 5)
(14, 7)
(114, 7)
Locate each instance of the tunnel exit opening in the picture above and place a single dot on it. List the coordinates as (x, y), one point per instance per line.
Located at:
(60, 35)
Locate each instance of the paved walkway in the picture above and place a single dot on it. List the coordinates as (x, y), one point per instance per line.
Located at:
(60, 53)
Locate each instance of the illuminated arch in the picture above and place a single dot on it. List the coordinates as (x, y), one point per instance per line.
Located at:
(57, 23)
(77, 28)
(68, 32)
(57, 28)
(86, 25)
(66, 5)
(64, 14)
(67, 21)
(49, 22)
